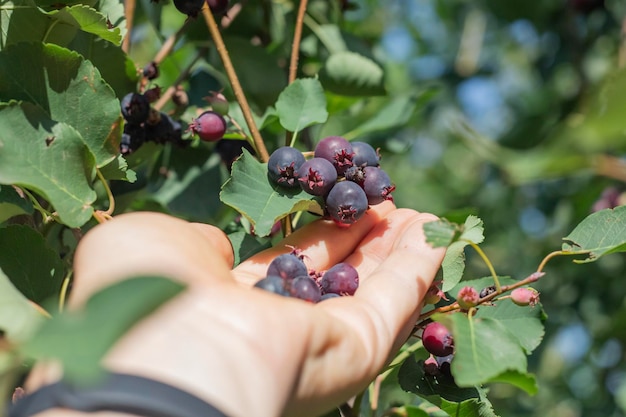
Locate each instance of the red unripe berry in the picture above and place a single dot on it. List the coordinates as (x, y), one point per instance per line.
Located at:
(437, 339)
(467, 298)
(210, 126)
(525, 296)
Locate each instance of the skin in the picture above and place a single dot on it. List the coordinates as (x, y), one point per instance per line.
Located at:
(246, 351)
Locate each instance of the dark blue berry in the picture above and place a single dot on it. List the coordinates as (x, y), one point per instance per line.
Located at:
(273, 284)
(377, 185)
(135, 108)
(305, 288)
(189, 7)
(283, 166)
(364, 155)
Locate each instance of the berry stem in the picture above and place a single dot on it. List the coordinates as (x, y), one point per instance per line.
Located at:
(47, 216)
(64, 287)
(129, 15)
(297, 37)
(261, 150)
(111, 208)
(290, 138)
(558, 253)
(484, 257)
(169, 43)
(167, 95)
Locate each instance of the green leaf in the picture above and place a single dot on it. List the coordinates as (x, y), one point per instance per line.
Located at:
(86, 19)
(119, 71)
(21, 21)
(599, 234)
(68, 88)
(524, 323)
(441, 233)
(453, 263)
(12, 204)
(412, 378)
(480, 407)
(526, 382)
(245, 245)
(117, 169)
(249, 191)
(19, 318)
(114, 12)
(302, 104)
(192, 186)
(352, 74)
(396, 113)
(80, 339)
(40, 280)
(484, 349)
(47, 157)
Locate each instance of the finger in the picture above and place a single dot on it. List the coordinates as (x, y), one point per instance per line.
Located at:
(322, 243)
(145, 243)
(218, 240)
(361, 331)
(387, 303)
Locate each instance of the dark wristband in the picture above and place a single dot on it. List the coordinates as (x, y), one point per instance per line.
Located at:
(116, 392)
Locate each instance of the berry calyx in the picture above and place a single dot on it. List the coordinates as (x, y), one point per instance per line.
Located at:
(437, 339)
(525, 296)
(317, 176)
(467, 298)
(210, 126)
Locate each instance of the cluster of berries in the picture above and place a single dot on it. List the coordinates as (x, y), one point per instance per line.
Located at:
(287, 275)
(346, 175)
(144, 124)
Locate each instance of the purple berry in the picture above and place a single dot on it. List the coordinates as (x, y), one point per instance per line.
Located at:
(133, 137)
(317, 176)
(329, 295)
(346, 202)
(437, 339)
(273, 284)
(218, 6)
(230, 150)
(342, 279)
(305, 288)
(189, 7)
(209, 126)
(365, 155)
(283, 166)
(164, 130)
(287, 266)
(377, 185)
(336, 150)
(135, 108)
(151, 70)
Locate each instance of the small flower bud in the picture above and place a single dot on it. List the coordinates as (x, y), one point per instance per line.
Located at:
(525, 296)
(467, 298)
(218, 103)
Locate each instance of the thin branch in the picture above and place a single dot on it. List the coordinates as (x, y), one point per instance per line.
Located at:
(297, 38)
(129, 14)
(455, 306)
(261, 150)
(167, 95)
(487, 262)
(64, 288)
(169, 43)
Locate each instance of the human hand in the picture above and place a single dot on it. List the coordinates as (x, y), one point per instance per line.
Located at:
(249, 352)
